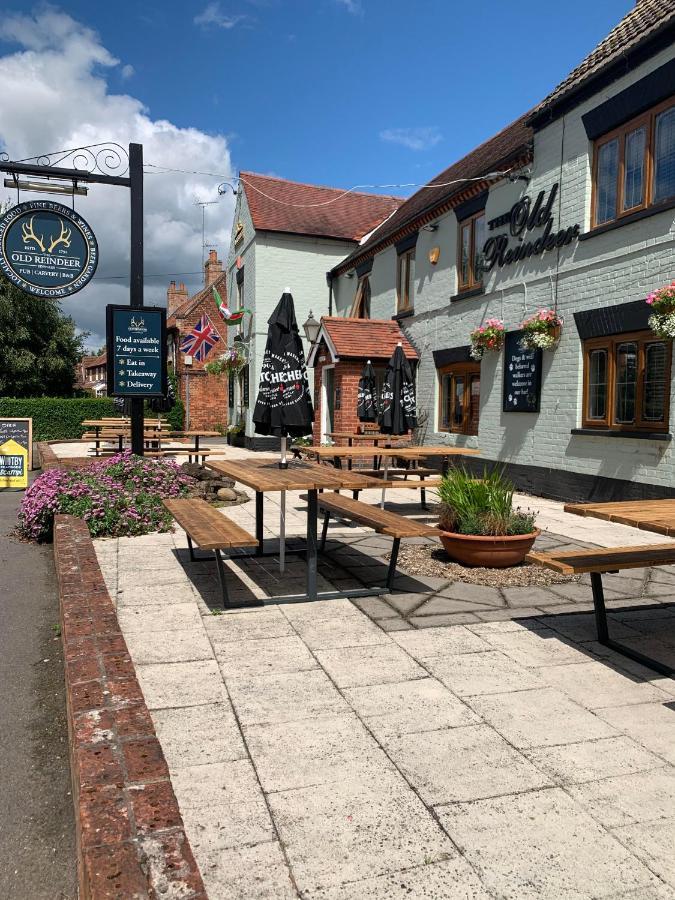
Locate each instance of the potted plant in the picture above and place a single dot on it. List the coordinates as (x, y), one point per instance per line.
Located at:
(662, 319)
(235, 435)
(488, 337)
(541, 330)
(478, 522)
(232, 361)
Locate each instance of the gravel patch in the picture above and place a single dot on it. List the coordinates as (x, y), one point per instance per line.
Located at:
(433, 561)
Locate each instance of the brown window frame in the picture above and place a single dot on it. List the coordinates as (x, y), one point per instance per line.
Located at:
(361, 305)
(468, 371)
(643, 339)
(405, 284)
(470, 222)
(648, 120)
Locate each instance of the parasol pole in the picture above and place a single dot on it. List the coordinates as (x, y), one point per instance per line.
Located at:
(283, 464)
(386, 459)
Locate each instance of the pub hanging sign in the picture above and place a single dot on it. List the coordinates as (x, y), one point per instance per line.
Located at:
(47, 249)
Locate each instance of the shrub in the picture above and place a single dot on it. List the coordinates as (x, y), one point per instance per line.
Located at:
(57, 418)
(176, 415)
(481, 506)
(116, 497)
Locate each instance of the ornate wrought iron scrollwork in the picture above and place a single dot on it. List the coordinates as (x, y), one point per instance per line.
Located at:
(106, 158)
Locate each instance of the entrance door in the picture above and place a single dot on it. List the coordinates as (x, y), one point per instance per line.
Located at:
(327, 401)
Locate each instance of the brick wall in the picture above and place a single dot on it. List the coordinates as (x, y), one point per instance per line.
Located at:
(346, 381)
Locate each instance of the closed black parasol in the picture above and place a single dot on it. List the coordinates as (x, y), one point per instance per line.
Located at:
(366, 403)
(284, 405)
(398, 407)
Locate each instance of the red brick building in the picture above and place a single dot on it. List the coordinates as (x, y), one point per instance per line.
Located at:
(342, 349)
(208, 394)
(91, 374)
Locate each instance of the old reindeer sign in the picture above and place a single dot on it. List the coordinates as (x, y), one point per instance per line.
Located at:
(47, 249)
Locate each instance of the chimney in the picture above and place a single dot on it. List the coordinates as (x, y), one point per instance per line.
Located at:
(175, 296)
(213, 267)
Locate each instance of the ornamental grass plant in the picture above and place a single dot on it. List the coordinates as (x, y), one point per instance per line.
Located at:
(481, 506)
(117, 497)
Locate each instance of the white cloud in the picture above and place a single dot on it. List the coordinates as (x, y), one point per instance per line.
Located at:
(352, 6)
(212, 14)
(56, 95)
(127, 71)
(413, 138)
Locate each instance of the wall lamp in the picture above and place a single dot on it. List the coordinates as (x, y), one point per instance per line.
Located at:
(432, 227)
(525, 176)
(311, 328)
(349, 274)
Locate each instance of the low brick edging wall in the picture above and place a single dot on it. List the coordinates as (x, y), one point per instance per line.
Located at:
(130, 837)
(49, 460)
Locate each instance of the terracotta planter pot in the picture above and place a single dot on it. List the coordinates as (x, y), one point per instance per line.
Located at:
(491, 552)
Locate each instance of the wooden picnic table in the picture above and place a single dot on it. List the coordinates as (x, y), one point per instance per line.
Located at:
(265, 476)
(648, 515)
(375, 438)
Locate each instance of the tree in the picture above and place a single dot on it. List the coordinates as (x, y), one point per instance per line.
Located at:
(39, 347)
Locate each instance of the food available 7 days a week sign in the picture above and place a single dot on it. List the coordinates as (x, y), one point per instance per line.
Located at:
(136, 345)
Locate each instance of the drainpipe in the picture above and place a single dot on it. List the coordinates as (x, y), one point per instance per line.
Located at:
(329, 282)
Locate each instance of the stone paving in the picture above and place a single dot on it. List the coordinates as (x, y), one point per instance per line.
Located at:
(444, 741)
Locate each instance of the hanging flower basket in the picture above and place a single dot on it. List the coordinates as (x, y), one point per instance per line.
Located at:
(487, 338)
(662, 319)
(542, 330)
(231, 362)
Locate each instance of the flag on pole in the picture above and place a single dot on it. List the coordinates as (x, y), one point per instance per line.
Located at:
(201, 340)
(232, 318)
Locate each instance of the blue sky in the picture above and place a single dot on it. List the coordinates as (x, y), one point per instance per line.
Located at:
(312, 89)
(337, 92)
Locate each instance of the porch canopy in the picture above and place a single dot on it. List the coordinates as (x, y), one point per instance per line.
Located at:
(359, 339)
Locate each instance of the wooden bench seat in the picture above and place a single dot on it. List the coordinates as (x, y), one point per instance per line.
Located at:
(208, 529)
(380, 520)
(610, 560)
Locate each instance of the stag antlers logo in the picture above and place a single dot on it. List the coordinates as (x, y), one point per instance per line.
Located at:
(47, 249)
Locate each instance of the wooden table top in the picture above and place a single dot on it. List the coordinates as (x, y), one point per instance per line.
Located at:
(264, 475)
(400, 452)
(649, 515)
(198, 433)
(348, 435)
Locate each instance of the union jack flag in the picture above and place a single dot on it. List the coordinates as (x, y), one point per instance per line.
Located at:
(201, 340)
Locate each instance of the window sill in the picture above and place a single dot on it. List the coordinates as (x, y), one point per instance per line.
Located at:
(626, 220)
(616, 433)
(464, 295)
(403, 315)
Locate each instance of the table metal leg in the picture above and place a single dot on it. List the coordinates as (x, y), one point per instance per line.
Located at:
(221, 578)
(312, 513)
(259, 522)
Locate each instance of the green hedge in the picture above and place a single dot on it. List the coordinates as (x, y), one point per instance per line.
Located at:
(56, 418)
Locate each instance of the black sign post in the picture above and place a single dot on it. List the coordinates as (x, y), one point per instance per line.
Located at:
(522, 375)
(90, 165)
(136, 352)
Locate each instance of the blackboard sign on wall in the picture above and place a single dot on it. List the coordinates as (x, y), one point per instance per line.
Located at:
(136, 351)
(522, 376)
(16, 452)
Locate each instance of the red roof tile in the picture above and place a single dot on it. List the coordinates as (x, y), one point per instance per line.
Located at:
(288, 206)
(641, 24)
(366, 338)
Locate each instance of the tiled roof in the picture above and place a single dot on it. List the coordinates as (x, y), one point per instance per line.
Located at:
(494, 154)
(640, 25)
(89, 362)
(313, 210)
(366, 338)
(187, 307)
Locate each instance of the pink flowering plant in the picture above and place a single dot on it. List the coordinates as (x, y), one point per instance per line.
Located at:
(542, 330)
(487, 337)
(232, 361)
(662, 319)
(116, 497)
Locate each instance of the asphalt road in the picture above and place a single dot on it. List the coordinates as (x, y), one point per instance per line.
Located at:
(37, 829)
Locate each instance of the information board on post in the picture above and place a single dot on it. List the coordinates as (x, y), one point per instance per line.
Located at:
(16, 453)
(522, 375)
(136, 351)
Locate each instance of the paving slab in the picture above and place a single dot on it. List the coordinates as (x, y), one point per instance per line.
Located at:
(332, 633)
(542, 846)
(290, 755)
(284, 698)
(169, 646)
(441, 621)
(351, 830)
(460, 764)
(539, 717)
(373, 664)
(431, 642)
(265, 622)
(593, 760)
(409, 707)
(158, 617)
(452, 879)
(626, 799)
(595, 686)
(489, 672)
(266, 656)
(532, 648)
(243, 873)
(198, 735)
(653, 843)
(650, 724)
(181, 684)
(179, 592)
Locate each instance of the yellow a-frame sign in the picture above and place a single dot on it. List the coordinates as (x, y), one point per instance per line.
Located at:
(13, 465)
